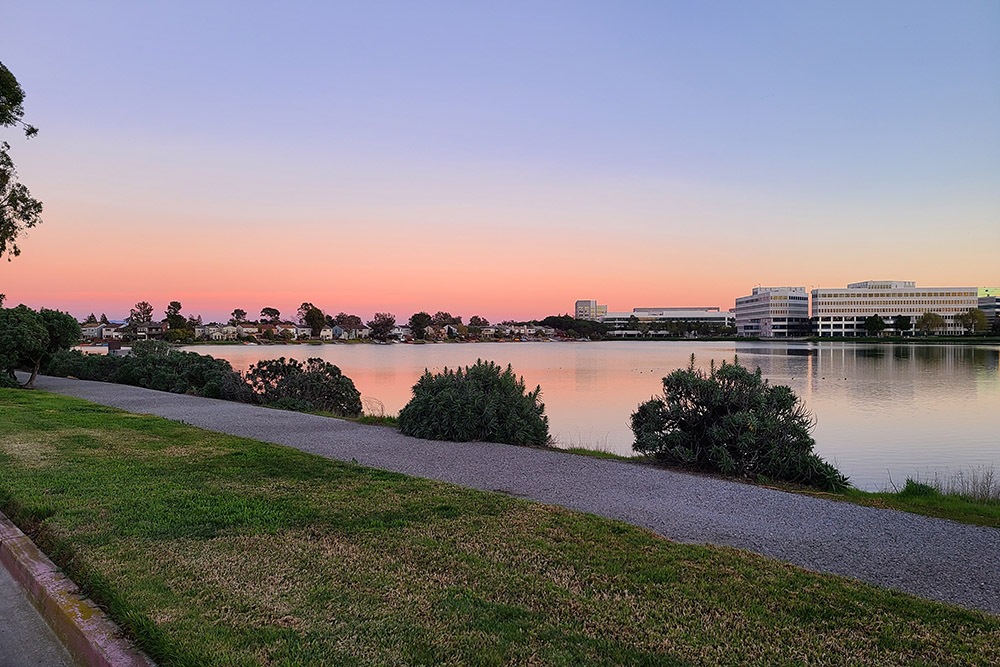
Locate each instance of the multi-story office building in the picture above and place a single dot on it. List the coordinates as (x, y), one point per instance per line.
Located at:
(773, 312)
(590, 310)
(653, 316)
(843, 311)
(989, 302)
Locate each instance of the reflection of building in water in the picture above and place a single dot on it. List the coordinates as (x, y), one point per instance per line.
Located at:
(843, 311)
(773, 312)
(989, 302)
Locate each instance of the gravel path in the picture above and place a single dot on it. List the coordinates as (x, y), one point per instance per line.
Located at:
(933, 558)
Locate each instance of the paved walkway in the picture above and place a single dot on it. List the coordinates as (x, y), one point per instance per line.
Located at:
(25, 639)
(934, 558)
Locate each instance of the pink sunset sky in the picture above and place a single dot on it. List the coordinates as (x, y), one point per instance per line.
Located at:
(501, 161)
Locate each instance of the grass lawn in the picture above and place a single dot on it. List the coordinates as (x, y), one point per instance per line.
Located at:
(215, 550)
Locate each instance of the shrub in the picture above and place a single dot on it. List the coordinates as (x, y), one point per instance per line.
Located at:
(154, 365)
(316, 385)
(734, 422)
(480, 402)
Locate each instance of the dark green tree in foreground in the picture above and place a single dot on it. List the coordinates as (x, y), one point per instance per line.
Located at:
(874, 325)
(28, 339)
(902, 324)
(732, 421)
(18, 209)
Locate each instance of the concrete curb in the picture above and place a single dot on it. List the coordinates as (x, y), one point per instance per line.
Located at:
(89, 635)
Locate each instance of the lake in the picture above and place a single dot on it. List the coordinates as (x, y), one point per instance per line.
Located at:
(881, 410)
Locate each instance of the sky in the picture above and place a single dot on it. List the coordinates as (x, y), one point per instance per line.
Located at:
(501, 159)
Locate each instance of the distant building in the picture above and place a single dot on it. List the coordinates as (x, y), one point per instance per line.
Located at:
(989, 302)
(843, 311)
(656, 317)
(773, 312)
(590, 310)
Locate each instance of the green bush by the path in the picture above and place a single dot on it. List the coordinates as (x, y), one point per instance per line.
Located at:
(480, 402)
(291, 385)
(732, 421)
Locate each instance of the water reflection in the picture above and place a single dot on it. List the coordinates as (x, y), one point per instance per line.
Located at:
(880, 409)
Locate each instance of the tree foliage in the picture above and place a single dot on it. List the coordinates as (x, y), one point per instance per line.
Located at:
(315, 320)
(418, 324)
(382, 325)
(315, 385)
(348, 322)
(28, 339)
(441, 318)
(732, 421)
(477, 321)
(480, 402)
(929, 322)
(584, 328)
(874, 325)
(140, 313)
(973, 320)
(271, 315)
(239, 316)
(174, 318)
(903, 323)
(19, 211)
(300, 314)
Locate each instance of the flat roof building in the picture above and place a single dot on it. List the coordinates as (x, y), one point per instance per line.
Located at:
(989, 302)
(843, 311)
(589, 310)
(773, 312)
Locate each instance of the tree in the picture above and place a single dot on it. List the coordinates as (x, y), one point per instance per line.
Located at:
(140, 313)
(874, 325)
(300, 314)
(476, 321)
(91, 319)
(348, 322)
(442, 318)
(174, 318)
(381, 325)
(929, 322)
(633, 323)
(315, 320)
(104, 319)
(239, 316)
(972, 320)
(903, 324)
(271, 315)
(419, 323)
(28, 339)
(18, 209)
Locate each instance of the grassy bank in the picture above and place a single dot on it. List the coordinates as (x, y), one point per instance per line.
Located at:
(211, 549)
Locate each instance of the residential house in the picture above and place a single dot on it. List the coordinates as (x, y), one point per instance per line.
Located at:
(92, 331)
(146, 330)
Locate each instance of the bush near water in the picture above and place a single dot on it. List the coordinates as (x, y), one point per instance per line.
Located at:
(732, 421)
(315, 385)
(480, 402)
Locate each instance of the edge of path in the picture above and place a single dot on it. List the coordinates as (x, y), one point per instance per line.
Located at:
(934, 558)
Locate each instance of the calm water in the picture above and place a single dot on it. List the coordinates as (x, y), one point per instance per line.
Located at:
(881, 410)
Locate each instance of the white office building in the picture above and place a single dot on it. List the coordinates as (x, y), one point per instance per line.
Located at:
(773, 312)
(590, 310)
(843, 311)
(989, 302)
(661, 316)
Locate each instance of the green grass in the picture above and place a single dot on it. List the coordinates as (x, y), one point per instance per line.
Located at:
(934, 503)
(215, 550)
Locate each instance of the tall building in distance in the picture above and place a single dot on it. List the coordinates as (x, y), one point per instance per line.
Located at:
(989, 302)
(843, 311)
(773, 312)
(590, 310)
